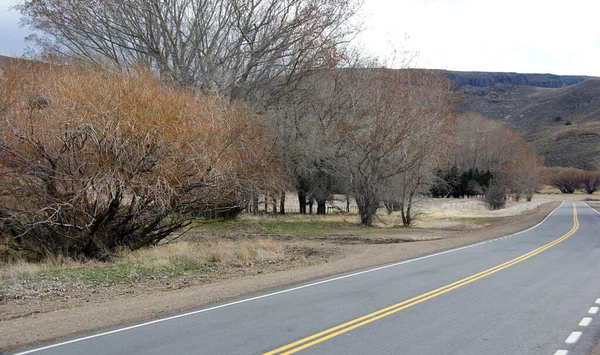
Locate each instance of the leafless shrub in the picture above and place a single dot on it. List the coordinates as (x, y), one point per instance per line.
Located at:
(117, 160)
(567, 180)
(590, 181)
(495, 196)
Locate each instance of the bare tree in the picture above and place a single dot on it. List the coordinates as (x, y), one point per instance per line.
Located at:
(394, 119)
(525, 174)
(240, 48)
(408, 187)
(493, 152)
(306, 142)
(495, 195)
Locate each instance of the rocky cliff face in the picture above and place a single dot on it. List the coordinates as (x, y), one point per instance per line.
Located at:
(485, 79)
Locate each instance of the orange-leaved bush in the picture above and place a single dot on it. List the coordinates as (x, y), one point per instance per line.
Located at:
(92, 161)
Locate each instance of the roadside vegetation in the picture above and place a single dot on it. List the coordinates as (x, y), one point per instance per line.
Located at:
(165, 262)
(221, 249)
(570, 180)
(114, 142)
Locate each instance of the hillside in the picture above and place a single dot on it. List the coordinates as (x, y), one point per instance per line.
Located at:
(485, 79)
(562, 123)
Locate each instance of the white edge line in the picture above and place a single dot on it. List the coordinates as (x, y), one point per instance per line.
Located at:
(592, 208)
(537, 225)
(76, 340)
(561, 352)
(573, 337)
(585, 321)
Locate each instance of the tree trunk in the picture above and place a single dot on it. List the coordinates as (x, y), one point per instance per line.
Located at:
(282, 203)
(367, 209)
(407, 210)
(321, 207)
(274, 206)
(302, 201)
(310, 206)
(255, 204)
(266, 204)
(403, 214)
(366, 217)
(347, 203)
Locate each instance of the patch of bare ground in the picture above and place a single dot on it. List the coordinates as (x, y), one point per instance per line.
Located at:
(66, 312)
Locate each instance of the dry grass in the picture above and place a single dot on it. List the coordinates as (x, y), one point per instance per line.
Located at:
(577, 196)
(21, 278)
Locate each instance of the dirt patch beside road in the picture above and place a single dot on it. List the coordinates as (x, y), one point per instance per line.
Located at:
(71, 312)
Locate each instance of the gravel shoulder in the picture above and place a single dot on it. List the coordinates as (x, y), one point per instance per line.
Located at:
(32, 322)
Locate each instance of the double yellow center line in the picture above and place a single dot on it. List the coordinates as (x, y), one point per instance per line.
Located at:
(371, 317)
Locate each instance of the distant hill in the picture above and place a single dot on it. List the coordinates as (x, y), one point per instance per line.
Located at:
(484, 79)
(563, 122)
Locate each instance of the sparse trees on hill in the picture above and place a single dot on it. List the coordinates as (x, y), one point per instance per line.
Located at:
(93, 161)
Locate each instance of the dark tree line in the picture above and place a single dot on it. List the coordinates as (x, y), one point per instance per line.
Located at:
(458, 184)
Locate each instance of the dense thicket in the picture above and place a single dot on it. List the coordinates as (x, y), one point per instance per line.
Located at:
(457, 184)
(92, 161)
(258, 51)
(371, 133)
(335, 121)
(488, 156)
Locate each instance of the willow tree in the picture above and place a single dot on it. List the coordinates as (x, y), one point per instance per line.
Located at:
(395, 121)
(250, 49)
(92, 161)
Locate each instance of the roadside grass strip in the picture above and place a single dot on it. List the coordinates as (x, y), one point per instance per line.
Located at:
(372, 317)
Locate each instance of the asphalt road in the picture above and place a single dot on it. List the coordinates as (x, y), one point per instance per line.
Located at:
(522, 294)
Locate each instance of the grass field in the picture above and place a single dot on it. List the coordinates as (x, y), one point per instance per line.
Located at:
(288, 224)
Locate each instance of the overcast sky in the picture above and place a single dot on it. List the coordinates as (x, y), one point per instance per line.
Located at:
(527, 36)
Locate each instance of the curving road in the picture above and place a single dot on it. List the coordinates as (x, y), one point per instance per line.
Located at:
(534, 292)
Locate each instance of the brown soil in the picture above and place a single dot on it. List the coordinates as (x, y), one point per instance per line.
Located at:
(67, 313)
